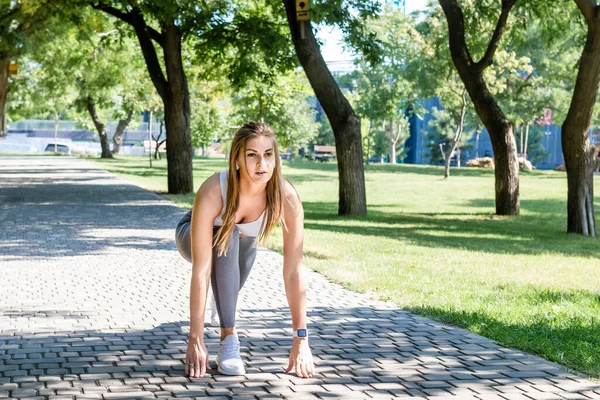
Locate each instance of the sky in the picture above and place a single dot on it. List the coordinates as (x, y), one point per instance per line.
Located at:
(332, 48)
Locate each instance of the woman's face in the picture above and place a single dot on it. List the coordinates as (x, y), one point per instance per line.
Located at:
(257, 162)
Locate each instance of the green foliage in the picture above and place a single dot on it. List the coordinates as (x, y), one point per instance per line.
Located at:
(252, 45)
(386, 90)
(381, 144)
(71, 62)
(352, 17)
(324, 135)
(19, 22)
(283, 105)
(211, 107)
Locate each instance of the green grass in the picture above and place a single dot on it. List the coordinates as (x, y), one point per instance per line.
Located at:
(434, 247)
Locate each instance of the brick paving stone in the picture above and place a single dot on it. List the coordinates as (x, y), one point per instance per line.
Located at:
(95, 306)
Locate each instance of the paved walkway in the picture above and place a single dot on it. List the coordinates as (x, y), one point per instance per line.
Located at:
(94, 305)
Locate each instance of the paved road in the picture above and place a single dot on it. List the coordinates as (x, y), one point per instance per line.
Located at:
(94, 305)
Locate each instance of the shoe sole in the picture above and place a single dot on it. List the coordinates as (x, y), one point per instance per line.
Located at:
(231, 372)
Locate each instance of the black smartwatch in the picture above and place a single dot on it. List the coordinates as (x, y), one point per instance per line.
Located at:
(300, 333)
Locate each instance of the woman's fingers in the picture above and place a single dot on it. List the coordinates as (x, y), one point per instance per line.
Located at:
(206, 363)
(290, 365)
(199, 366)
(311, 369)
(298, 368)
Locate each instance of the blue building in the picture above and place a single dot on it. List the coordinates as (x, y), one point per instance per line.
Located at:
(480, 144)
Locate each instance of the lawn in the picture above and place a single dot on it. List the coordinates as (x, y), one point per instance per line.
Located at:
(434, 247)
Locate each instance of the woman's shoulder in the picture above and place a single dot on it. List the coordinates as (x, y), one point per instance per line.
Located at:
(290, 194)
(211, 187)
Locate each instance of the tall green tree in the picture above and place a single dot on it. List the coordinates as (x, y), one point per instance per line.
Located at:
(386, 92)
(578, 152)
(438, 77)
(211, 105)
(349, 16)
(42, 91)
(481, 14)
(163, 26)
(18, 23)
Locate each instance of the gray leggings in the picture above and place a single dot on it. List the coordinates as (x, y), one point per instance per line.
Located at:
(229, 272)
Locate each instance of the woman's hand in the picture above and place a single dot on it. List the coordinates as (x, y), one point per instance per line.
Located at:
(301, 361)
(196, 358)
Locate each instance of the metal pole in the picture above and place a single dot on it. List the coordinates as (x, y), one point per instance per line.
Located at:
(150, 139)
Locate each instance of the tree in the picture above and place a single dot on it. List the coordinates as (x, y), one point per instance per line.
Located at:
(386, 92)
(176, 20)
(45, 86)
(18, 21)
(438, 77)
(472, 74)
(283, 104)
(111, 80)
(578, 152)
(344, 121)
(448, 127)
(254, 34)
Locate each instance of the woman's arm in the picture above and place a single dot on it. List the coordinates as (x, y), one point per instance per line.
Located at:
(295, 287)
(207, 206)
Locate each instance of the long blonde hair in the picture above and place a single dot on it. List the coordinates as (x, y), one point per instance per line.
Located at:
(274, 189)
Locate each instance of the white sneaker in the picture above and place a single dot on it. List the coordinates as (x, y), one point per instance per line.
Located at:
(229, 359)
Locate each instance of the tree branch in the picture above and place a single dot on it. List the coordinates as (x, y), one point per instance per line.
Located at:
(587, 8)
(143, 32)
(128, 18)
(7, 18)
(456, 32)
(488, 58)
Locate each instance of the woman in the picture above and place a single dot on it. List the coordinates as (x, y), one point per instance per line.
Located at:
(233, 211)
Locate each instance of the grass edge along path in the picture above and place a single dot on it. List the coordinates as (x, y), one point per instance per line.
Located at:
(433, 247)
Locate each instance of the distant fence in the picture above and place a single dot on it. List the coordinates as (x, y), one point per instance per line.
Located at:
(111, 126)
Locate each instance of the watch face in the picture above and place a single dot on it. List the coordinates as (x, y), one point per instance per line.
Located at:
(301, 333)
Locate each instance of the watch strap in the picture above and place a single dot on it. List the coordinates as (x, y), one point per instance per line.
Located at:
(301, 333)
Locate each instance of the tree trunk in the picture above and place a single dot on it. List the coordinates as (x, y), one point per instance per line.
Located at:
(499, 128)
(526, 141)
(177, 116)
(520, 133)
(447, 160)
(456, 139)
(579, 154)
(118, 136)
(393, 140)
(100, 127)
(4, 63)
(159, 143)
(343, 119)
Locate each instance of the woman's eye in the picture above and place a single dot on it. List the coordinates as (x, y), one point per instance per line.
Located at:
(269, 155)
(251, 155)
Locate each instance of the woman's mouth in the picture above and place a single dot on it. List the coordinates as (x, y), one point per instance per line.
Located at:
(261, 173)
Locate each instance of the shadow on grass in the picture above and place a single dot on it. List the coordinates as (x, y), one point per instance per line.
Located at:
(496, 235)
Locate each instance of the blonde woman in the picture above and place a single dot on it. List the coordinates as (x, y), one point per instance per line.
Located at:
(233, 211)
